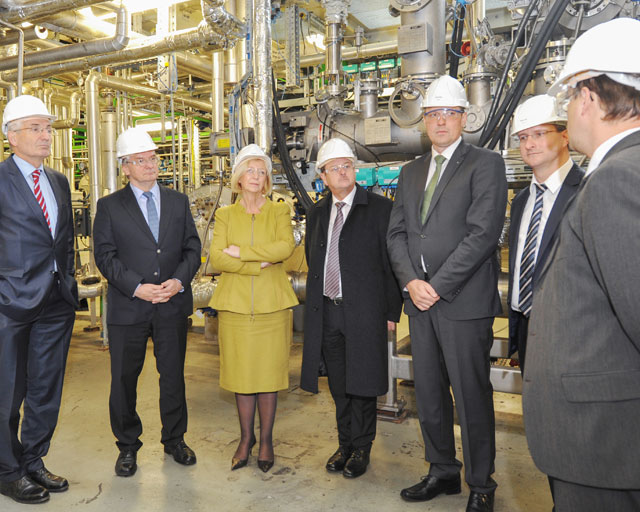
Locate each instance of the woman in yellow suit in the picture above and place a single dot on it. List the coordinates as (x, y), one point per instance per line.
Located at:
(251, 239)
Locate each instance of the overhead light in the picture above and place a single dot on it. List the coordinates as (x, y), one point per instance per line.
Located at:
(154, 127)
(317, 40)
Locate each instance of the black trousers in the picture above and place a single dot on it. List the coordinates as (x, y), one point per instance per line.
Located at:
(127, 347)
(355, 415)
(455, 354)
(571, 497)
(33, 357)
(521, 336)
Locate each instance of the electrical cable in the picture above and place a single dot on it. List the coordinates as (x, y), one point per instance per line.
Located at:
(456, 43)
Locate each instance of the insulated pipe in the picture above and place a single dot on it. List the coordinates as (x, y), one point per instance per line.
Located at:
(20, 57)
(109, 161)
(201, 36)
(214, 14)
(93, 140)
(73, 51)
(262, 73)
(217, 104)
(30, 34)
(22, 10)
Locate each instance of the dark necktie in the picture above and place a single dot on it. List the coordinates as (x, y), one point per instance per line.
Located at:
(39, 197)
(332, 278)
(431, 187)
(528, 260)
(152, 214)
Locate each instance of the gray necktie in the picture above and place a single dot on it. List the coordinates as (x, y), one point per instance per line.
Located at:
(431, 187)
(332, 278)
(152, 214)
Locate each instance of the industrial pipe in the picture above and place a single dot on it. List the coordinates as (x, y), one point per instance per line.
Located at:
(262, 73)
(20, 57)
(14, 11)
(30, 34)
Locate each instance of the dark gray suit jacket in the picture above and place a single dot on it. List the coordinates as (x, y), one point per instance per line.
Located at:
(581, 390)
(460, 236)
(567, 191)
(127, 254)
(27, 249)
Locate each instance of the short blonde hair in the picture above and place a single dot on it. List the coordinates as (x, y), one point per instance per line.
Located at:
(241, 168)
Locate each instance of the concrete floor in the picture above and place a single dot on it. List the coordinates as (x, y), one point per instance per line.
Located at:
(83, 449)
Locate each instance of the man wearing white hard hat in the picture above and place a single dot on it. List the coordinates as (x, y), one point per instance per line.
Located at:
(581, 391)
(352, 301)
(38, 297)
(443, 237)
(540, 130)
(148, 249)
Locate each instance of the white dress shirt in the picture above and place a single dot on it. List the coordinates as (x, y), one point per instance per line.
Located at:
(45, 187)
(553, 184)
(348, 201)
(604, 148)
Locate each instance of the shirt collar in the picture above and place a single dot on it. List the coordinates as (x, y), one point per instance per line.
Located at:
(348, 200)
(603, 149)
(555, 181)
(138, 192)
(25, 167)
(449, 150)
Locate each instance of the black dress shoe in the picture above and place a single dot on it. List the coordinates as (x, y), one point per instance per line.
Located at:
(339, 459)
(182, 454)
(126, 463)
(24, 490)
(480, 502)
(49, 481)
(357, 464)
(430, 487)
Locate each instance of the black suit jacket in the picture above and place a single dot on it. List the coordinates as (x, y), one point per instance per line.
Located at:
(369, 289)
(27, 249)
(567, 191)
(127, 253)
(459, 239)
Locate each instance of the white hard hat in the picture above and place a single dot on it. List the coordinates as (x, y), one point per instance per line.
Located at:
(445, 91)
(133, 141)
(22, 107)
(603, 50)
(334, 148)
(535, 111)
(251, 152)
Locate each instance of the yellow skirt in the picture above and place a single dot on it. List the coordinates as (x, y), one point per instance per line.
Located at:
(254, 351)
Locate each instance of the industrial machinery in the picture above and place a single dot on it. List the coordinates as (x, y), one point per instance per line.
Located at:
(207, 77)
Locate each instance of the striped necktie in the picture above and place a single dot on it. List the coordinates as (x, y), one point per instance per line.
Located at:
(39, 197)
(431, 187)
(332, 278)
(152, 214)
(528, 260)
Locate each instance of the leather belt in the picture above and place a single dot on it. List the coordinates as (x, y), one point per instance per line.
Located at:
(336, 302)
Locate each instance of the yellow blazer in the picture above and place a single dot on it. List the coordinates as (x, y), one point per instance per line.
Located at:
(244, 287)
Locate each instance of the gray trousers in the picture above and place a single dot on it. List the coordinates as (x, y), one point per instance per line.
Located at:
(455, 353)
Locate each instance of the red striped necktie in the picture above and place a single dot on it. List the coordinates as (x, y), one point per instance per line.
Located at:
(39, 197)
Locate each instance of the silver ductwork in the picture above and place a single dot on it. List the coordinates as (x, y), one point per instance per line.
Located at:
(21, 10)
(214, 14)
(262, 73)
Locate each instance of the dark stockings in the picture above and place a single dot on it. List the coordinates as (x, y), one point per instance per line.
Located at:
(267, 403)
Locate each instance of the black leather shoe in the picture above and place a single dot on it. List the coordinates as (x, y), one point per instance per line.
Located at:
(126, 463)
(339, 459)
(480, 502)
(357, 464)
(182, 454)
(49, 481)
(430, 487)
(24, 490)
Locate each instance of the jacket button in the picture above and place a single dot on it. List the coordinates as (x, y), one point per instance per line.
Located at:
(315, 276)
(155, 273)
(321, 244)
(423, 236)
(158, 251)
(315, 308)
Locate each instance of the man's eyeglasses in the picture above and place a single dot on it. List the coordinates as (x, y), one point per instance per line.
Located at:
(337, 168)
(140, 162)
(535, 136)
(564, 97)
(38, 130)
(256, 172)
(442, 113)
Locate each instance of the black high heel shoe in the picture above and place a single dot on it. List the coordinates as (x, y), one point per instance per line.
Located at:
(265, 465)
(240, 463)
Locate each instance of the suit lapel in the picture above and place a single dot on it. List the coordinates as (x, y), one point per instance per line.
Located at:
(25, 191)
(456, 159)
(59, 196)
(517, 207)
(419, 183)
(130, 204)
(166, 213)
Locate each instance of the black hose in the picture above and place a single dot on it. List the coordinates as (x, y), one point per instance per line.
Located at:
(514, 94)
(456, 43)
(294, 182)
(519, 33)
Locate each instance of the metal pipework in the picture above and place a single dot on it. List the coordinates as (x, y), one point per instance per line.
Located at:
(429, 61)
(262, 73)
(20, 58)
(215, 15)
(201, 36)
(22, 10)
(73, 51)
(108, 150)
(30, 34)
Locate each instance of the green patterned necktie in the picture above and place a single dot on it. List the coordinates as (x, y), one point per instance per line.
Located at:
(428, 193)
